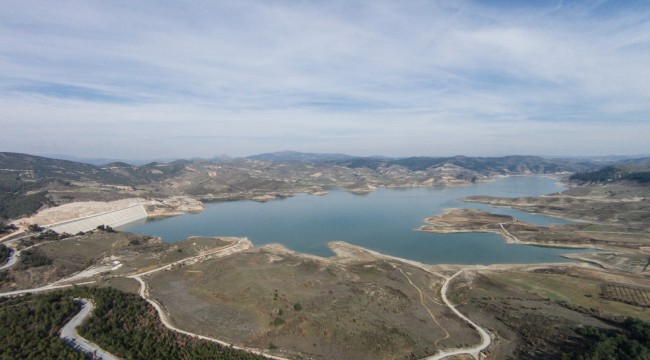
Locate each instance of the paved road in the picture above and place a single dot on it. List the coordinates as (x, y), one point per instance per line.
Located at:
(41, 289)
(11, 261)
(14, 254)
(71, 337)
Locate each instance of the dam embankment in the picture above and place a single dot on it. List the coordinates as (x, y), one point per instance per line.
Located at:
(111, 218)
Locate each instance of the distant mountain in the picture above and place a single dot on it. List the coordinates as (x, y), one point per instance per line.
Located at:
(29, 182)
(294, 156)
(499, 165)
(117, 164)
(645, 161)
(606, 159)
(625, 171)
(105, 161)
(119, 172)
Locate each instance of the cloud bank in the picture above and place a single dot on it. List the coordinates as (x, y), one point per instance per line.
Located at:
(153, 79)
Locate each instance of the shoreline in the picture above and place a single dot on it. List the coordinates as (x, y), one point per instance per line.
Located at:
(157, 209)
(464, 216)
(181, 204)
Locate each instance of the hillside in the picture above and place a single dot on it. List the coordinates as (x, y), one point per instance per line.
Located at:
(497, 165)
(29, 183)
(627, 171)
(30, 167)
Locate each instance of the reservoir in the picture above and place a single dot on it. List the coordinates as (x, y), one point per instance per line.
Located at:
(383, 221)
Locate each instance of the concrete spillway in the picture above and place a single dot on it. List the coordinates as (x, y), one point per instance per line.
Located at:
(112, 218)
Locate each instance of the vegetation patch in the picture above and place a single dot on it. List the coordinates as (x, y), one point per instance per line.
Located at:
(7, 228)
(610, 174)
(122, 324)
(32, 258)
(128, 327)
(632, 342)
(30, 327)
(626, 294)
(19, 198)
(568, 289)
(5, 252)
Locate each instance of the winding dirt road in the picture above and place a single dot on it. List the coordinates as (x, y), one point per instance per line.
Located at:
(514, 238)
(474, 351)
(422, 302)
(240, 245)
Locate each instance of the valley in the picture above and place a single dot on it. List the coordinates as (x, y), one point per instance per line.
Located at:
(358, 303)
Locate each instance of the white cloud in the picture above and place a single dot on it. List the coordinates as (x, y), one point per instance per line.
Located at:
(368, 78)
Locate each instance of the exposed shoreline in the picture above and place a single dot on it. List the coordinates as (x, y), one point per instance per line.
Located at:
(178, 205)
(462, 220)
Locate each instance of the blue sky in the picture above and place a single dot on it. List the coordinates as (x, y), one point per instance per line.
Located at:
(155, 79)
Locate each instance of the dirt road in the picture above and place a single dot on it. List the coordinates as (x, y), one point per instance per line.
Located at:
(240, 245)
(474, 351)
(344, 249)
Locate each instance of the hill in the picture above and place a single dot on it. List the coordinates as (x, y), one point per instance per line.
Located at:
(31, 167)
(28, 182)
(626, 171)
(294, 156)
(485, 165)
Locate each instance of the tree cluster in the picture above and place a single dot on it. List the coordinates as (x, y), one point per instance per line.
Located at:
(106, 228)
(128, 327)
(5, 252)
(632, 342)
(30, 326)
(19, 198)
(32, 258)
(122, 324)
(7, 228)
(603, 175)
(640, 177)
(610, 174)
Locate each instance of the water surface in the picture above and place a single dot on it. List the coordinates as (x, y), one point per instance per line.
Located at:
(383, 220)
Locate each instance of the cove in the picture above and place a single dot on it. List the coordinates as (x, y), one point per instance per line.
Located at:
(383, 221)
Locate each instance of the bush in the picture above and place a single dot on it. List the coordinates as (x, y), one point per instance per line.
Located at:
(35, 228)
(5, 252)
(31, 258)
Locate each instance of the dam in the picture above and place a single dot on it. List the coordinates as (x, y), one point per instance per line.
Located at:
(113, 218)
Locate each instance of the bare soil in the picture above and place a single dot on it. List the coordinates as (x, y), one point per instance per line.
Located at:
(313, 307)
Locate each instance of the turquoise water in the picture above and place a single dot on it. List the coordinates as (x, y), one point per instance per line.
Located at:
(383, 220)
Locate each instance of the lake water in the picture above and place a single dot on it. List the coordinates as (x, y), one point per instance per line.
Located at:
(383, 220)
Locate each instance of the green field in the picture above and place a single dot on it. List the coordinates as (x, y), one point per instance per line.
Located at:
(576, 291)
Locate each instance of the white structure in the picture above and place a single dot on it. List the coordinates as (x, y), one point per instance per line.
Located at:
(112, 218)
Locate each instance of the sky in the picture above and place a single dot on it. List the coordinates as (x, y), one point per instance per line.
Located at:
(178, 79)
